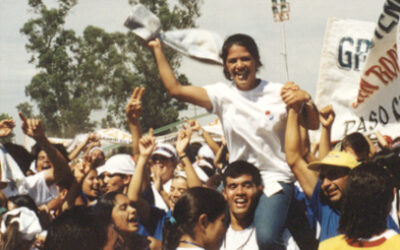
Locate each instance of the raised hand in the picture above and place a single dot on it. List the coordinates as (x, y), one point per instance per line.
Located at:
(292, 95)
(147, 143)
(6, 127)
(134, 107)
(194, 125)
(92, 137)
(155, 43)
(327, 116)
(183, 140)
(32, 127)
(289, 86)
(81, 170)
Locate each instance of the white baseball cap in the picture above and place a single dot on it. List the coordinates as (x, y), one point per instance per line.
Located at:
(118, 164)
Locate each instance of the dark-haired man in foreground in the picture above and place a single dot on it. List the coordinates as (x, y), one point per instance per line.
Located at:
(242, 189)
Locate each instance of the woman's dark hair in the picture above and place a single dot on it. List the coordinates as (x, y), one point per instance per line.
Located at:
(76, 229)
(104, 207)
(21, 156)
(24, 201)
(358, 143)
(12, 239)
(367, 202)
(242, 40)
(195, 202)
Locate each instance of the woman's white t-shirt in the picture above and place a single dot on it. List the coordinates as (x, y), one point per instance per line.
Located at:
(254, 123)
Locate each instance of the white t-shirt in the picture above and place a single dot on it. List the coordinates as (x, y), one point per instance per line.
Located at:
(254, 123)
(243, 240)
(10, 172)
(38, 190)
(158, 200)
(35, 186)
(246, 239)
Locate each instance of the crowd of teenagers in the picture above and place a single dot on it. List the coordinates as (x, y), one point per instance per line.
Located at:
(262, 186)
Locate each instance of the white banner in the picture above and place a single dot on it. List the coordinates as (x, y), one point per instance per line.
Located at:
(344, 53)
(377, 103)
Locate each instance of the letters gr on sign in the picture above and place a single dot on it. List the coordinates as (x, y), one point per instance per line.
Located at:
(379, 115)
(352, 52)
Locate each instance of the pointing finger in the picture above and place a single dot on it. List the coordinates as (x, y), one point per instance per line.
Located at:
(151, 132)
(22, 116)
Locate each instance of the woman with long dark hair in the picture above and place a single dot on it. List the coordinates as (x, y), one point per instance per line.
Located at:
(198, 221)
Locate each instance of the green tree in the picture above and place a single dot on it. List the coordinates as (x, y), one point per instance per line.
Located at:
(26, 109)
(98, 70)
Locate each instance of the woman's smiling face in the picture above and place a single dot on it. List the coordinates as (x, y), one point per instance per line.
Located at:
(242, 67)
(90, 185)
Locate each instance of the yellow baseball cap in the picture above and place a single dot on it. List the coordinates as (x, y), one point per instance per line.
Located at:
(336, 159)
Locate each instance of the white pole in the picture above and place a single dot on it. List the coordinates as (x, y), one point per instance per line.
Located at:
(284, 50)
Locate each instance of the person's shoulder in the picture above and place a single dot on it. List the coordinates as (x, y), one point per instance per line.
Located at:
(269, 88)
(219, 85)
(271, 84)
(333, 243)
(395, 238)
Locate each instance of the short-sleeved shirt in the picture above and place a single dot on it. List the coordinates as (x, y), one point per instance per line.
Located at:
(254, 123)
(36, 187)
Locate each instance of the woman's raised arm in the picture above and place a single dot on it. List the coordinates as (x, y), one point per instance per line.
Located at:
(192, 94)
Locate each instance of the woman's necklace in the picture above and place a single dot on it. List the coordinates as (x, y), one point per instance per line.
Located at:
(190, 243)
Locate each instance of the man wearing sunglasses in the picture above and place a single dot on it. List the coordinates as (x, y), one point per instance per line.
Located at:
(323, 181)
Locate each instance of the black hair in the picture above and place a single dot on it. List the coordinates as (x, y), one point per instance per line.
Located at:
(36, 150)
(104, 207)
(24, 201)
(207, 170)
(66, 181)
(242, 40)
(238, 168)
(13, 239)
(76, 229)
(192, 149)
(195, 202)
(367, 202)
(358, 143)
(21, 156)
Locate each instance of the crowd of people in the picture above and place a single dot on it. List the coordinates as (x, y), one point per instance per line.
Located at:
(262, 186)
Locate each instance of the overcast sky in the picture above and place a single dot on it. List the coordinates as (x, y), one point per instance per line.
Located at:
(304, 33)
